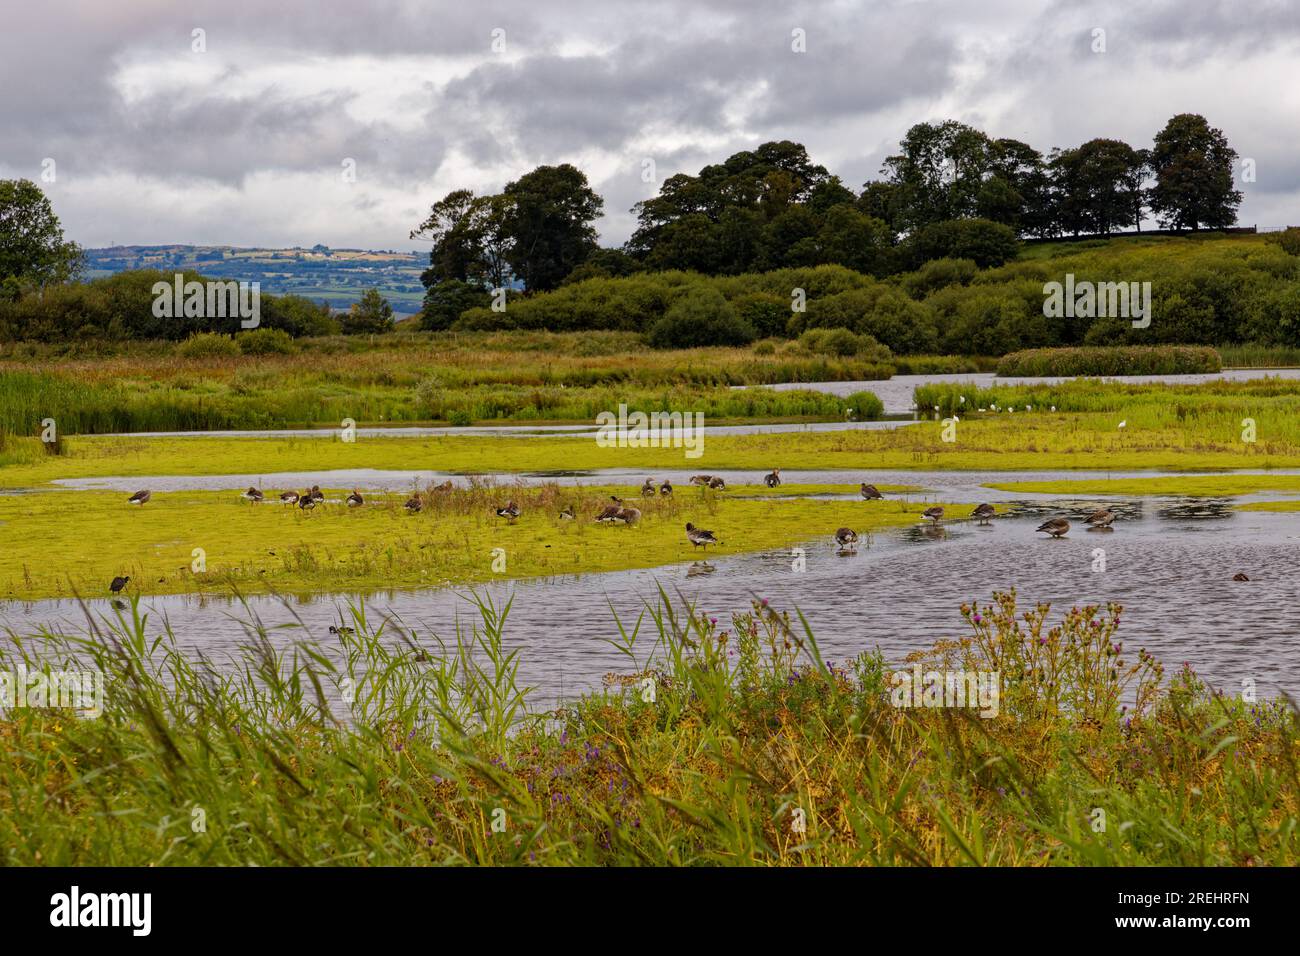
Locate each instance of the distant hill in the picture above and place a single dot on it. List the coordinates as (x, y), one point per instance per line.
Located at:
(334, 276)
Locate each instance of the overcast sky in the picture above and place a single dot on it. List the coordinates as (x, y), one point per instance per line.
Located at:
(244, 143)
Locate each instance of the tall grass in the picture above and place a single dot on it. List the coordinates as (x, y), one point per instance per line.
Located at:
(722, 743)
(1111, 360)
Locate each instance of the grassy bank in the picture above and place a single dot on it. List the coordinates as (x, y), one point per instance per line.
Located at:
(1114, 360)
(1209, 486)
(750, 750)
(59, 544)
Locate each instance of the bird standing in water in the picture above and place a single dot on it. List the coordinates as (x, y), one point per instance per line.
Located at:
(983, 513)
(1056, 527)
(847, 539)
(935, 514)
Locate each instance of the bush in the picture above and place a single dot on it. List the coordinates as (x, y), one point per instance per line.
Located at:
(445, 302)
(767, 314)
(266, 342)
(986, 243)
(843, 343)
(700, 317)
(938, 274)
(208, 345)
(864, 406)
(1119, 360)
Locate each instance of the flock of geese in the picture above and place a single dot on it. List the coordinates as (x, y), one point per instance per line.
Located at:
(620, 513)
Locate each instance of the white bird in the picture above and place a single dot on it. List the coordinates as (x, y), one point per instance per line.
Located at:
(1123, 423)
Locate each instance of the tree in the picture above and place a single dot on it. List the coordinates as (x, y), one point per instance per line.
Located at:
(32, 248)
(700, 316)
(1193, 167)
(547, 218)
(1099, 186)
(469, 241)
(938, 172)
(370, 315)
(444, 303)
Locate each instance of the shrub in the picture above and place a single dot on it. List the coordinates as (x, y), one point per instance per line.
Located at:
(766, 313)
(864, 406)
(208, 345)
(1119, 360)
(986, 243)
(266, 342)
(938, 274)
(842, 342)
(445, 302)
(700, 317)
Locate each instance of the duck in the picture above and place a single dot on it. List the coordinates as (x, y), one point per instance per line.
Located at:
(648, 489)
(140, 497)
(847, 539)
(983, 513)
(567, 514)
(717, 484)
(1240, 576)
(1056, 527)
(773, 478)
(870, 491)
(355, 500)
(666, 489)
(700, 538)
(289, 497)
(306, 502)
(935, 514)
(702, 480)
(1102, 518)
(317, 494)
(414, 504)
(510, 512)
(253, 494)
(341, 630)
(118, 583)
(610, 513)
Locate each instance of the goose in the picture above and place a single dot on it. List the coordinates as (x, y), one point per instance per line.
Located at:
(445, 486)
(567, 514)
(1102, 518)
(648, 489)
(341, 630)
(870, 491)
(140, 497)
(414, 503)
(700, 538)
(118, 583)
(627, 516)
(701, 480)
(984, 513)
(773, 479)
(355, 500)
(611, 511)
(666, 489)
(935, 514)
(306, 502)
(1239, 576)
(252, 494)
(510, 512)
(847, 539)
(717, 484)
(289, 497)
(317, 494)
(1056, 527)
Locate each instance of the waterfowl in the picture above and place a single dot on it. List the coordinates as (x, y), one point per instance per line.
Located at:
(870, 491)
(510, 512)
(306, 502)
(700, 538)
(847, 539)
(648, 489)
(340, 630)
(935, 514)
(445, 486)
(701, 480)
(1056, 527)
(118, 583)
(317, 494)
(139, 498)
(1239, 576)
(252, 494)
(611, 511)
(772, 479)
(289, 497)
(567, 514)
(627, 516)
(666, 489)
(1102, 518)
(355, 500)
(717, 484)
(983, 513)
(414, 503)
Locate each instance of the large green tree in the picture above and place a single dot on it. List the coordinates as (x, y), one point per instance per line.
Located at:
(32, 247)
(1193, 167)
(469, 240)
(547, 217)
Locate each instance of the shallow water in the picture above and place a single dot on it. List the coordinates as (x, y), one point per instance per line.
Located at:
(1169, 561)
